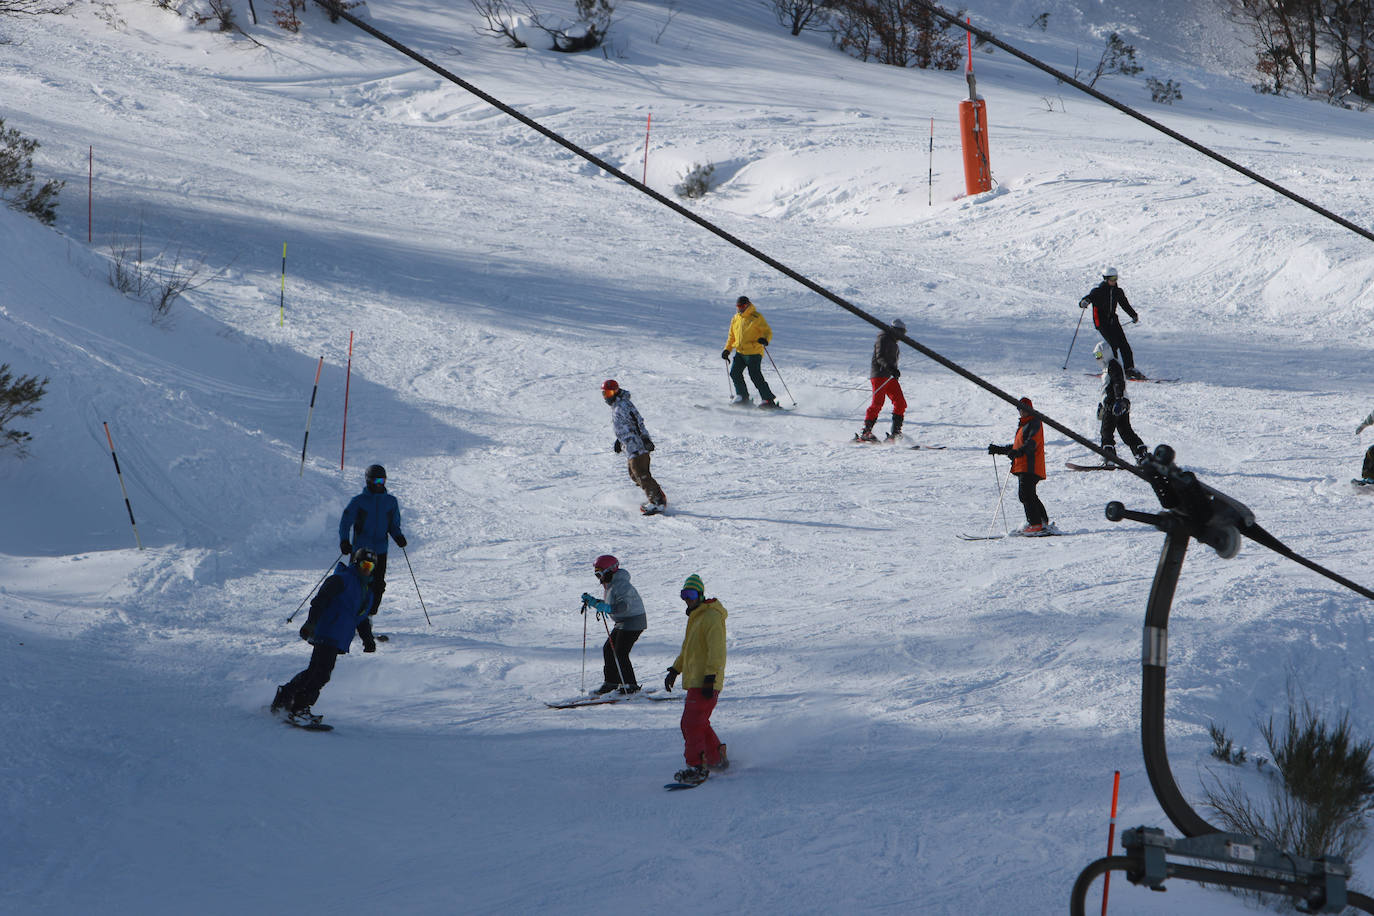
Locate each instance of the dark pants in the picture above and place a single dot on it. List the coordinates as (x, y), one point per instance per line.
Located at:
(304, 689)
(1116, 339)
(754, 363)
(616, 654)
(1025, 491)
(1112, 424)
(1367, 471)
(378, 585)
(639, 473)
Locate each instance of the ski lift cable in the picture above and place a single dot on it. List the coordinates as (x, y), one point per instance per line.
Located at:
(1252, 531)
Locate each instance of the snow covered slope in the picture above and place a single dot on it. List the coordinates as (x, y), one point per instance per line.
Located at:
(917, 723)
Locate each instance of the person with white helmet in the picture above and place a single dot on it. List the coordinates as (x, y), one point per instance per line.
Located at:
(883, 375)
(1114, 410)
(621, 602)
(1104, 299)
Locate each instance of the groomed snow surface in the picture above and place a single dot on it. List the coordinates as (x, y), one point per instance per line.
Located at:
(917, 724)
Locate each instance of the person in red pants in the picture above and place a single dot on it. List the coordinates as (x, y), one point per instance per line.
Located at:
(702, 666)
(883, 375)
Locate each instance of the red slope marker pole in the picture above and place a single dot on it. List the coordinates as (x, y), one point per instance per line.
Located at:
(930, 178)
(122, 489)
(90, 195)
(1111, 839)
(348, 377)
(310, 413)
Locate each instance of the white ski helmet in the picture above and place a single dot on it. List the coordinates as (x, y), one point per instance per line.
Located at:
(1109, 274)
(1102, 352)
(898, 325)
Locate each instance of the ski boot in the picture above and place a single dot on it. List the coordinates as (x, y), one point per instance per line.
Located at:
(281, 700)
(770, 404)
(866, 434)
(692, 776)
(724, 761)
(896, 432)
(742, 400)
(304, 716)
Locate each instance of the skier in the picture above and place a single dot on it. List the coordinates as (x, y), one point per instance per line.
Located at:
(883, 376)
(632, 438)
(1027, 454)
(702, 666)
(623, 604)
(748, 337)
(336, 613)
(1367, 470)
(367, 520)
(1104, 298)
(1114, 410)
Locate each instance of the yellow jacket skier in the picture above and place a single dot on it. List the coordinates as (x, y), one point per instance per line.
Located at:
(748, 337)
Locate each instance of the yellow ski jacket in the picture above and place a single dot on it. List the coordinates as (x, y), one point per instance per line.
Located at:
(703, 645)
(745, 330)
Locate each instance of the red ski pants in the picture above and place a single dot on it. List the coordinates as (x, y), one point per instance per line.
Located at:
(700, 742)
(884, 388)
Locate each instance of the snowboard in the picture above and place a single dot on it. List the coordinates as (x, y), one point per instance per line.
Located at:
(651, 509)
(311, 726)
(678, 786)
(1362, 481)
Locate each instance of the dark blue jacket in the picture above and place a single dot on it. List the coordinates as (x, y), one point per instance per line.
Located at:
(368, 519)
(339, 606)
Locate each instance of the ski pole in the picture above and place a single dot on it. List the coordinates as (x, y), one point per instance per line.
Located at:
(729, 379)
(417, 587)
(584, 647)
(875, 391)
(1001, 505)
(312, 591)
(1081, 313)
(614, 654)
(780, 378)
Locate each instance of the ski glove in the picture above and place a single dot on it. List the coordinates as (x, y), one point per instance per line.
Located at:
(1084, 302)
(400, 540)
(896, 373)
(999, 450)
(597, 604)
(670, 679)
(764, 341)
(345, 548)
(617, 447)
(725, 355)
(648, 444)
(708, 686)
(1135, 320)
(307, 630)
(1121, 407)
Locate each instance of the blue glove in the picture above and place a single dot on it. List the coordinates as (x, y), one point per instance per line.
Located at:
(596, 604)
(1121, 407)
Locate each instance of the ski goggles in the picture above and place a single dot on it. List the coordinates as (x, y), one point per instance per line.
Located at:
(366, 566)
(379, 481)
(690, 594)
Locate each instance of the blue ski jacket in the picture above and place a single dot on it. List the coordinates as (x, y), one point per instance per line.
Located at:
(368, 519)
(336, 610)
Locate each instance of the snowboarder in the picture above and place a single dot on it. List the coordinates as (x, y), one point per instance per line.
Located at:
(748, 337)
(702, 666)
(1027, 454)
(1114, 410)
(1104, 298)
(336, 612)
(1367, 470)
(632, 438)
(883, 376)
(367, 521)
(623, 605)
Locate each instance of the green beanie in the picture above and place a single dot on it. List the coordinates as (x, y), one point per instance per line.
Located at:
(694, 581)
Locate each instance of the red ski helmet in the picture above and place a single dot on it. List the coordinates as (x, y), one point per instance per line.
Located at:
(605, 565)
(610, 388)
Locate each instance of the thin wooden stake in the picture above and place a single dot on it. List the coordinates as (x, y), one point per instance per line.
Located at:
(122, 488)
(310, 413)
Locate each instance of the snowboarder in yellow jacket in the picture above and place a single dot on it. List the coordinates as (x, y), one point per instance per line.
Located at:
(702, 666)
(748, 337)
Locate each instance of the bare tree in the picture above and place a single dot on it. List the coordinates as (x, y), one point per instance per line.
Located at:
(34, 7)
(799, 15)
(897, 32)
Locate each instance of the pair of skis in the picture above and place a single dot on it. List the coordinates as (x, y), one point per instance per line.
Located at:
(606, 699)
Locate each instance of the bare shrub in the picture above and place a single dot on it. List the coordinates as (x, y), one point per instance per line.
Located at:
(1166, 92)
(696, 181)
(896, 32)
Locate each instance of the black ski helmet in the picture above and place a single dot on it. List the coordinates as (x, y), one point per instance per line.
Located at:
(375, 478)
(362, 554)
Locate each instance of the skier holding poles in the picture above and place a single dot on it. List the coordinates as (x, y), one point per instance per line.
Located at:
(1027, 454)
(748, 337)
(1114, 410)
(1104, 299)
(623, 605)
(367, 521)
